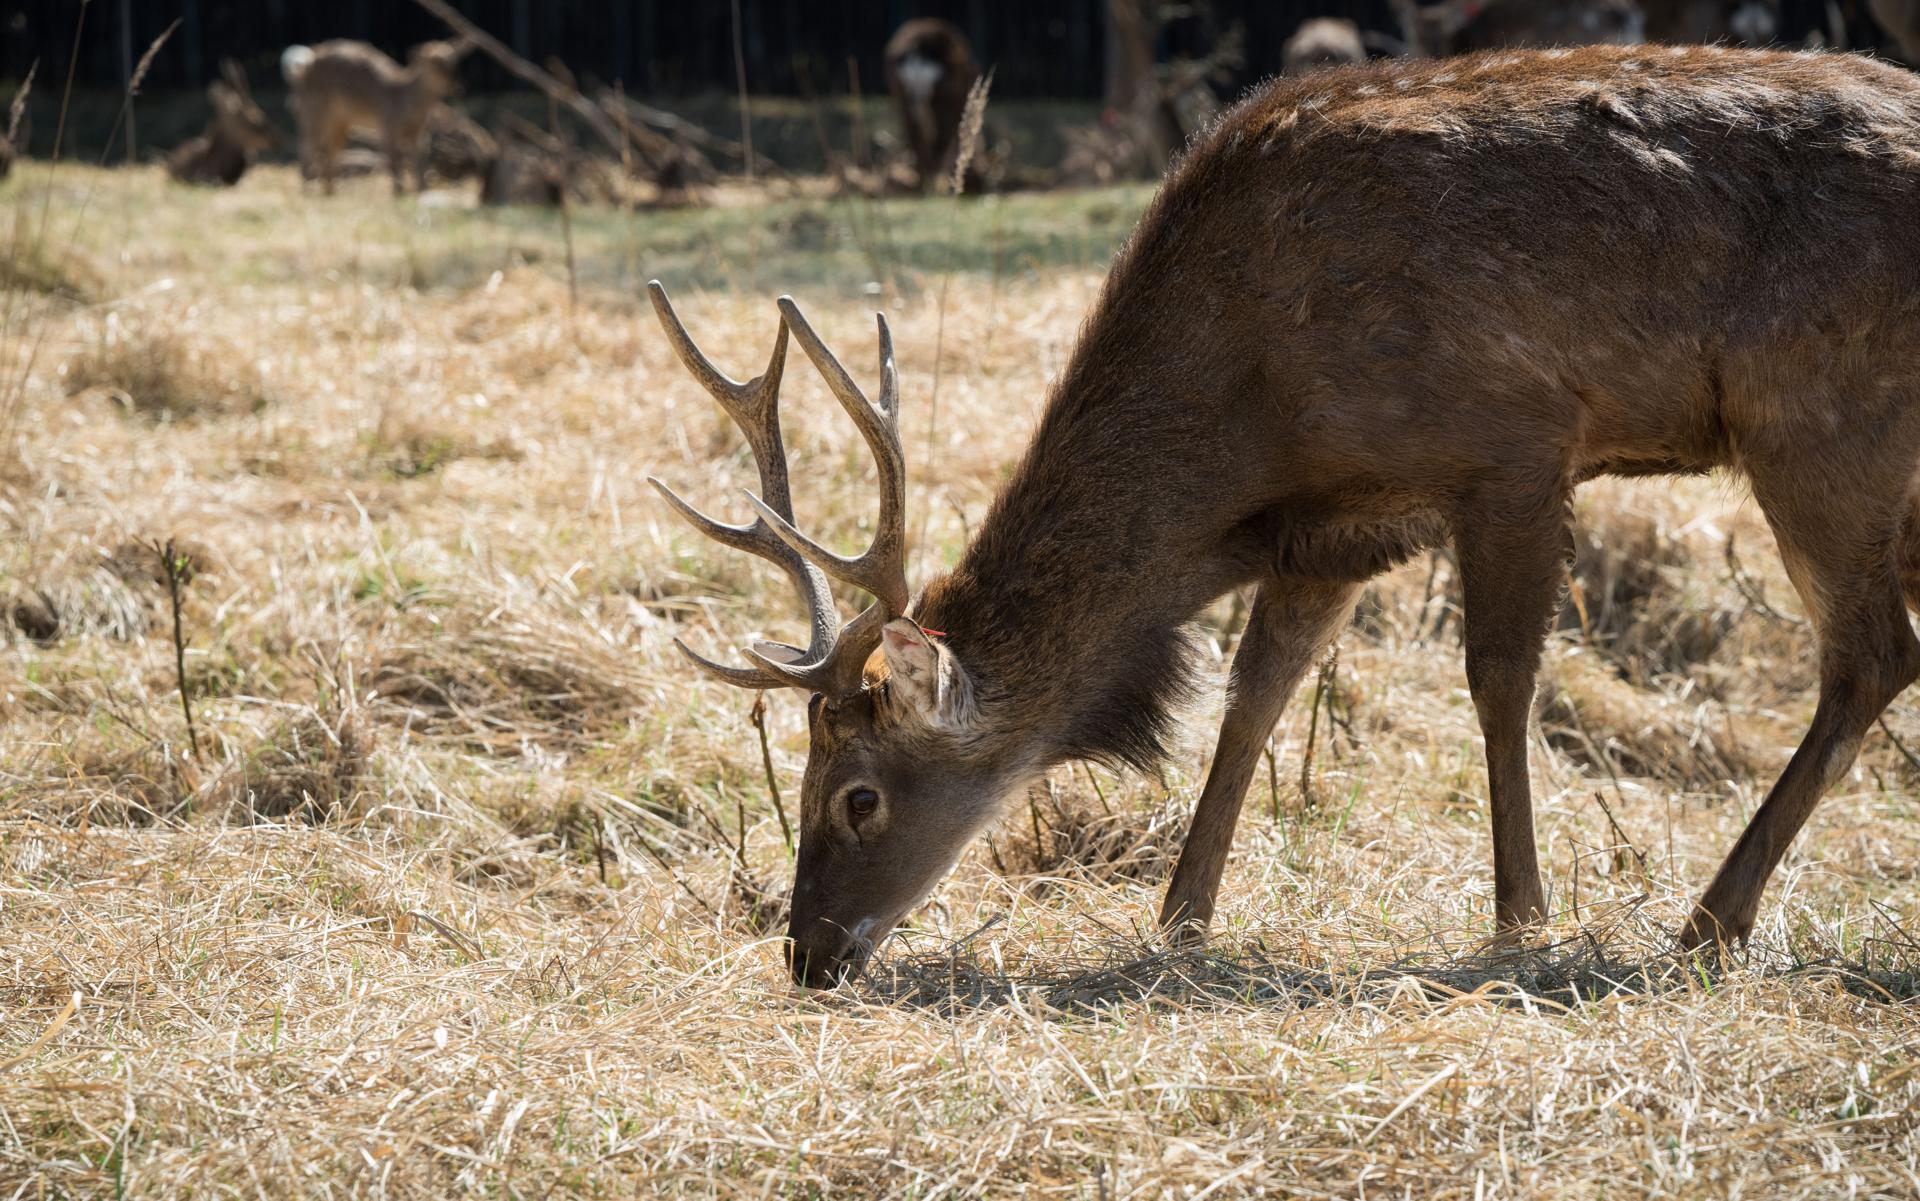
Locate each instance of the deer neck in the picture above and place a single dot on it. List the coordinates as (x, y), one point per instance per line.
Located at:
(1068, 609)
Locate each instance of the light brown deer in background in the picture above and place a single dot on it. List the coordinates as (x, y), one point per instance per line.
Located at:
(337, 86)
(1322, 42)
(237, 132)
(1372, 311)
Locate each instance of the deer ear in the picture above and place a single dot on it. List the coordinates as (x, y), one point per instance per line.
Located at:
(924, 676)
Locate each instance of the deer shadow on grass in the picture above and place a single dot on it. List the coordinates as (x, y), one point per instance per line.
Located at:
(1589, 967)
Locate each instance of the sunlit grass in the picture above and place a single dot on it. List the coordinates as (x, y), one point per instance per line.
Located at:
(457, 897)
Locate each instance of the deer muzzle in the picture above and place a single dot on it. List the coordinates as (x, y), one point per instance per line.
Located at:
(824, 954)
(828, 938)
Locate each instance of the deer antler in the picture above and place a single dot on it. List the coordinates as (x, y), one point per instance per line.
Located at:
(833, 658)
(882, 569)
(236, 78)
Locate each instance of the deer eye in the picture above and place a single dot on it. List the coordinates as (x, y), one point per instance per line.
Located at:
(861, 802)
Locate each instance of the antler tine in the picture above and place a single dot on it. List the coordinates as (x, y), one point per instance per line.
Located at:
(882, 569)
(754, 406)
(739, 677)
(840, 672)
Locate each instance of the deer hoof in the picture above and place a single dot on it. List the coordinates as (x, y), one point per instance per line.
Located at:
(1184, 924)
(1708, 936)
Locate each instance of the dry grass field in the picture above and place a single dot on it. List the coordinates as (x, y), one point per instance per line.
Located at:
(471, 887)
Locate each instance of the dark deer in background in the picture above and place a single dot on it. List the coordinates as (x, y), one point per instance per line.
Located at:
(1749, 22)
(930, 67)
(1322, 42)
(337, 86)
(19, 131)
(1463, 26)
(237, 132)
(1370, 312)
(1901, 19)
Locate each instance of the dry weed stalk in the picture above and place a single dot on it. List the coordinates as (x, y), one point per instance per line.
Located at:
(175, 568)
(972, 117)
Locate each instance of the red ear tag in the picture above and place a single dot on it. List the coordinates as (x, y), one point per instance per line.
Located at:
(934, 633)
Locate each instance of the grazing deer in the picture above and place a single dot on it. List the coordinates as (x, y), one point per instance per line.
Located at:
(1901, 19)
(1322, 42)
(238, 131)
(1463, 26)
(1370, 312)
(930, 68)
(339, 85)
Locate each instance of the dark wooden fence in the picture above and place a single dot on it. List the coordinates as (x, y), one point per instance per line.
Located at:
(1038, 48)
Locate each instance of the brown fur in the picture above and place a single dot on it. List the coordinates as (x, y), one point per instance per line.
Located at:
(1384, 307)
(237, 132)
(345, 84)
(931, 114)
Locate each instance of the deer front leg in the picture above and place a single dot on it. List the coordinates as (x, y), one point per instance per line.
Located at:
(1513, 576)
(1293, 619)
(399, 159)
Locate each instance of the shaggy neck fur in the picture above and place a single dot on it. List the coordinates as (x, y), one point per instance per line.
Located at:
(1138, 503)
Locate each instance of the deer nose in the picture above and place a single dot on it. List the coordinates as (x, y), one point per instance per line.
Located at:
(823, 960)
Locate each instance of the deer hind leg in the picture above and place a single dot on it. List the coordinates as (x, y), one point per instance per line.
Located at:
(1846, 560)
(1513, 575)
(303, 139)
(1293, 619)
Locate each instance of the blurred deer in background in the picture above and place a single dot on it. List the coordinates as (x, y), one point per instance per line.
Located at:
(237, 132)
(19, 131)
(930, 67)
(1901, 19)
(1748, 22)
(1463, 26)
(1322, 42)
(1372, 311)
(337, 86)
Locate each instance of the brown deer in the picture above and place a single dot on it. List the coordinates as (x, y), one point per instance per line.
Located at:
(1463, 26)
(1322, 42)
(336, 86)
(1750, 22)
(1370, 312)
(238, 131)
(1901, 19)
(930, 67)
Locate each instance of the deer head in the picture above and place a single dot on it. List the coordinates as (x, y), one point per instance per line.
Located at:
(437, 65)
(899, 776)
